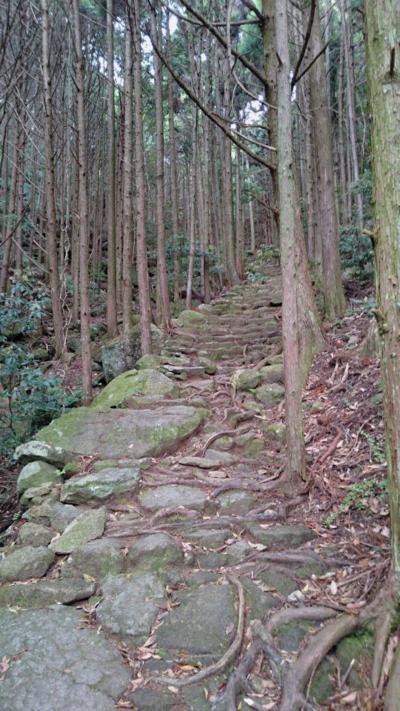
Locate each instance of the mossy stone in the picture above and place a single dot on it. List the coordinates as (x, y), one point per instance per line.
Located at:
(144, 385)
(26, 562)
(37, 473)
(86, 527)
(33, 534)
(270, 395)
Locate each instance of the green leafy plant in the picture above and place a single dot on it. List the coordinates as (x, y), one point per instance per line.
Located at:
(29, 399)
(357, 497)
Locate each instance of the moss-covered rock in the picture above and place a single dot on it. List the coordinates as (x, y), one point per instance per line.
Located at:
(149, 360)
(144, 386)
(97, 559)
(52, 513)
(36, 495)
(35, 474)
(272, 373)
(109, 433)
(190, 318)
(155, 552)
(26, 562)
(34, 449)
(172, 496)
(86, 527)
(289, 536)
(33, 534)
(101, 485)
(270, 395)
(246, 379)
(46, 592)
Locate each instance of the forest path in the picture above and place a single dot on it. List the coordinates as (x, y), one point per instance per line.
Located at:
(170, 558)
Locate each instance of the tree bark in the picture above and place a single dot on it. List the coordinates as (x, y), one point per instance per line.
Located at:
(383, 54)
(111, 213)
(82, 211)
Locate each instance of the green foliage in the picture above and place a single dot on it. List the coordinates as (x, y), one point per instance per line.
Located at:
(28, 398)
(357, 254)
(264, 255)
(357, 497)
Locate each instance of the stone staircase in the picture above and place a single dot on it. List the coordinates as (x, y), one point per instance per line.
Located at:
(147, 534)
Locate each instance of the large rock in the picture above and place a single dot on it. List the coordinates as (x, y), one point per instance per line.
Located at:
(272, 373)
(203, 625)
(37, 473)
(56, 663)
(33, 534)
(46, 592)
(131, 604)
(188, 318)
(283, 536)
(173, 496)
(155, 552)
(97, 558)
(270, 395)
(100, 486)
(52, 513)
(141, 386)
(108, 433)
(30, 451)
(246, 379)
(86, 527)
(122, 353)
(24, 563)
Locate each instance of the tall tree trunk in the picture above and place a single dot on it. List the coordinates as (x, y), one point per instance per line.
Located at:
(141, 247)
(83, 211)
(162, 276)
(287, 234)
(383, 23)
(127, 237)
(334, 300)
(111, 213)
(51, 231)
(174, 182)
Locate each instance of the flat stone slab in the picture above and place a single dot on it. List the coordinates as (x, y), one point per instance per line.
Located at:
(52, 513)
(155, 552)
(32, 450)
(208, 538)
(55, 663)
(100, 486)
(204, 623)
(86, 527)
(172, 496)
(25, 562)
(136, 433)
(131, 604)
(212, 460)
(283, 536)
(97, 558)
(46, 592)
(143, 386)
(32, 534)
(236, 502)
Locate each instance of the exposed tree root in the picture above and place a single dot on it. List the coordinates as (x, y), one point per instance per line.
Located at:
(237, 680)
(227, 659)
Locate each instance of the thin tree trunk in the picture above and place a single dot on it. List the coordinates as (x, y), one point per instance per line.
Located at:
(51, 231)
(83, 211)
(127, 250)
(141, 247)
(162, 276)
(111, 213)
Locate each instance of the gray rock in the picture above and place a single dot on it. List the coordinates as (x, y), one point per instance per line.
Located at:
(30, 451)
(155, 552)
(97, 559)
(246, 379)
(136, 433)
(172, 496)
(142, 386)
(212, 460)
(46, 592)
(270, 395)
(284, 536)
(238, 502)
(272, 373)
(120, 354)
(37, 473)
(188, 318)
(184, 630)
(131, 604)
(24, 563)
(147, 699)
(58, 664)
(36, 495)
(100, 486)
(274, 580)
(86, 527)
(54, 514)
(33, 534)
(211, 538)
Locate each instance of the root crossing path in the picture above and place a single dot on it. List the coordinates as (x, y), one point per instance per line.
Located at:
(152, 568)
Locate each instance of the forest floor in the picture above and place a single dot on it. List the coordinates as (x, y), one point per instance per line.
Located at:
(193, 593)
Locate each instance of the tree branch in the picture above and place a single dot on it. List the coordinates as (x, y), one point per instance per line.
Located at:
(250, 6)
(306, 41)
(308, 67)
(249, 65)
(219, 122)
